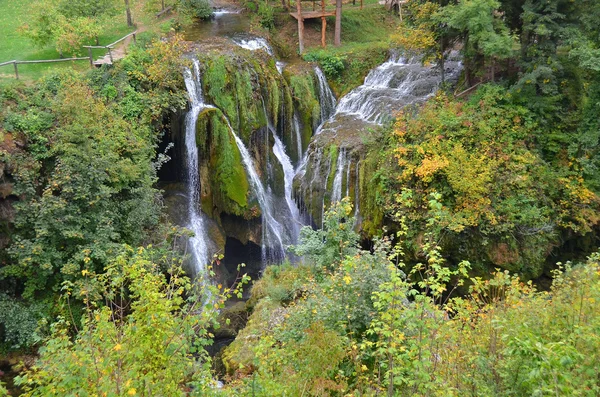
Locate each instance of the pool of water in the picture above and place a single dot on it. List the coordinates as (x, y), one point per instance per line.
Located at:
(225, 23)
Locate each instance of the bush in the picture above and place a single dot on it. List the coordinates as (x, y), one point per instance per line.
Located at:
(266, 15)
(18, 323)
(332, 65)
(196, 8)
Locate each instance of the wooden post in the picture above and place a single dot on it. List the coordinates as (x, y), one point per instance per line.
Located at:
(91, 58)
(16, 70)
(337, 41)
(361, 4)
(300, 27)
(323, 25)
(110, 55)
(323, 29)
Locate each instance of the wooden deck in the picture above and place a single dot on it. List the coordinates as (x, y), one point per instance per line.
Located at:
(313, 14)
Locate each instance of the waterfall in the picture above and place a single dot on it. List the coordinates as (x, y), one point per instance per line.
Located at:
(272, 231)
(199, 248)
(336, 194)
(298, 133)
(326, 98)
(253, 44)
(398, 82)
(289, 172)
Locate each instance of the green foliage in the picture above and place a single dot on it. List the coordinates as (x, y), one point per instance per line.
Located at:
(304, 317)
(141, 332)
(328, 246)
(266, 15)
(332, 65)
(68, 24)
(347, 66)
(18, 323)
(481, 156)
(85, 177)
(195, 8)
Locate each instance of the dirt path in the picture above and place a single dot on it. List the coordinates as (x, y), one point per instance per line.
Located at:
(120, 50)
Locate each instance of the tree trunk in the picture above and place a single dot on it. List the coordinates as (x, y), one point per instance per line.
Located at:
(338, 23)
(300, 27)
(128, 11)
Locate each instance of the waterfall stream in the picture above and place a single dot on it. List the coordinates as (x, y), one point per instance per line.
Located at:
(336, 193)
(198, 243)
(326, 98)
(289, 172)
(398, 82)
(272, 242)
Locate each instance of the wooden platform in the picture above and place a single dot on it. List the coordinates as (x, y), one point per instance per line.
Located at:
(313, 14)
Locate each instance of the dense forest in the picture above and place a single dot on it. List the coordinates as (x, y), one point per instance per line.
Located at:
(412, 213)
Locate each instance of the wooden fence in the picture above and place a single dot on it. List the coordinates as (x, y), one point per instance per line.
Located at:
(90, 57)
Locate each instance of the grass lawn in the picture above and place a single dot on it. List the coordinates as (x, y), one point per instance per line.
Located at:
(14, 13)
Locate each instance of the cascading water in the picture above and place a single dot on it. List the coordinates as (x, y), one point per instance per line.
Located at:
(336, 193)
(288, 172)
(326, 98)
(253, 44)
(272, 234)
(398, 82)
(199, 248)
(298, 134)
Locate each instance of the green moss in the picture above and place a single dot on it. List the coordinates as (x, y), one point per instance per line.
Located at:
(227, 177)
(307, 102)
(370, 191)
(333, 157)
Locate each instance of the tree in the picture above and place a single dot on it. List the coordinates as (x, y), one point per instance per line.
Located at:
(338, 23)
(142, 332)
(128, 12)
(484, 33)
(67, 24)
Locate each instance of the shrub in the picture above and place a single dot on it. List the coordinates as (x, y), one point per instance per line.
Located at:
(196, 8)
(266, 15)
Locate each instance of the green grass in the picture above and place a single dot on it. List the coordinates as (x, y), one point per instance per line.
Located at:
(13, 45)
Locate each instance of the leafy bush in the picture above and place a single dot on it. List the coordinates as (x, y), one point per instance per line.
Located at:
(150, 336)
(266, 15)
(196, 8)
(18, 323)
(332, 65)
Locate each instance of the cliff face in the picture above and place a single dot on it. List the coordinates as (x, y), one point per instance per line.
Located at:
(251, 110)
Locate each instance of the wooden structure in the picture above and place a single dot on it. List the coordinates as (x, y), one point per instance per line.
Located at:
(15, 63)
(108, 59)
(314, 14)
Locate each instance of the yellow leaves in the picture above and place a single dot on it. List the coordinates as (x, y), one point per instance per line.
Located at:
(117, 347)
(430, 165)
(347, 279)
(131, 392)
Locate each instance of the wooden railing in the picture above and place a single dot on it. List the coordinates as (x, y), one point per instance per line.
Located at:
(90, 57)
(15, 63)
(108, 47)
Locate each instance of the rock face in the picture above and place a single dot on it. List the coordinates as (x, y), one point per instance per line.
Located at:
(251, 136)
(337, 163)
